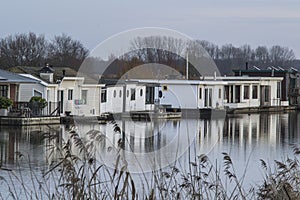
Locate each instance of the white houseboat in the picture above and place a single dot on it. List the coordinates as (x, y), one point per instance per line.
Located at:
(127, 96)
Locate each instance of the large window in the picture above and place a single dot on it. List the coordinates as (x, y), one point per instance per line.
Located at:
(246, 92)
(149, 95)
(70, 94)
(103, 95)
(3, 91)
(254, 91)
(84, 96)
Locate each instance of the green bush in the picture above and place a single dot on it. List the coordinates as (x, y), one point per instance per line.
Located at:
(42, 103)
(5, 102)
(36, 104)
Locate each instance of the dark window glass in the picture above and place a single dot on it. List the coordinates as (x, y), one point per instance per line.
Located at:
(132, 92)
(103, 95)
(70, 94)
(3, 91)
(246, 92)
(254, 91)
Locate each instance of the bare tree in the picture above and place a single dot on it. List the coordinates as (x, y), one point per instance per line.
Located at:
(64, 51)
(281, 55)
(23, 50)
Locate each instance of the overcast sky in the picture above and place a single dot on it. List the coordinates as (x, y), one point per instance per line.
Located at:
(254, 22)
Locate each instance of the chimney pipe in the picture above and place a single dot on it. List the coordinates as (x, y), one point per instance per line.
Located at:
(64, 72)
(247, 66)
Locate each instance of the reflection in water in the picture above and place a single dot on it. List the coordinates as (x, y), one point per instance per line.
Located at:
(155, 144)
(26, 140)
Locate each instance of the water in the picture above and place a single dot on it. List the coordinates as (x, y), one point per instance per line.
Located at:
(157, 144)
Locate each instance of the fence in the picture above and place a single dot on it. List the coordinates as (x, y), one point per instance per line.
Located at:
(28, 109)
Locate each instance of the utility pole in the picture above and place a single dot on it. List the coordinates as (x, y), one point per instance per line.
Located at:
(187, 65)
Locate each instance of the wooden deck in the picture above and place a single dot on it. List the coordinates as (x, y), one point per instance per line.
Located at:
(28, 121)
(151, 115)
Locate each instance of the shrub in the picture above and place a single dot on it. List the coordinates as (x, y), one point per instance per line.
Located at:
(5, 102)
(36, 104)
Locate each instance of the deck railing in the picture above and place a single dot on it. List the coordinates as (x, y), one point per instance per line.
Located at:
(34, 109)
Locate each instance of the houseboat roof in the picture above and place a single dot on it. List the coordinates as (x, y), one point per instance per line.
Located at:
(113, 82)
(35, 78)
(58, 73)
(249, 78)
(9, 77)
(211, 80)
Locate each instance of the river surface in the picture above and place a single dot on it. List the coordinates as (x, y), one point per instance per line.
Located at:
(159, 143)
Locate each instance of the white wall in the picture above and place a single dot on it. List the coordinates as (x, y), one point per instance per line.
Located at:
(114, 103)
(217, 100)
(26, 91)
(92, 105)
(179, 96)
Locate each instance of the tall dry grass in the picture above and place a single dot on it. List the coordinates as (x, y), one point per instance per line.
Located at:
(77, 174)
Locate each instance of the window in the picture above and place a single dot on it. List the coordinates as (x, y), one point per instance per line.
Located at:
(141, 92)
(70, 94)
(149, 95)
(267, 93)
(3, 91)
(278, 89)
(246, 92)
(103, 95)
(115, 93)
(208, 97)
(220, 93)
(120, 93)
(226, 93)
(200, 93)
(205, 97)
(237, 94)
(37, 93)
(132, 92)
(254, 92)
(160, 94)
(84, 96)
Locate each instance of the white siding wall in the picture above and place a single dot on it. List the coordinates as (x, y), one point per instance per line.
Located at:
(131, 104)
(180, 96)
(27, 91)
(52, 93)
(114, 103)
(92, 105)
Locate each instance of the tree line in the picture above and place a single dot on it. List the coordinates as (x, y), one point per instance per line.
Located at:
(165, 50)
(35, 50)
(228, 56)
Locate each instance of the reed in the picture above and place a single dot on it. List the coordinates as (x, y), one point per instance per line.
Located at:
(76, 174)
